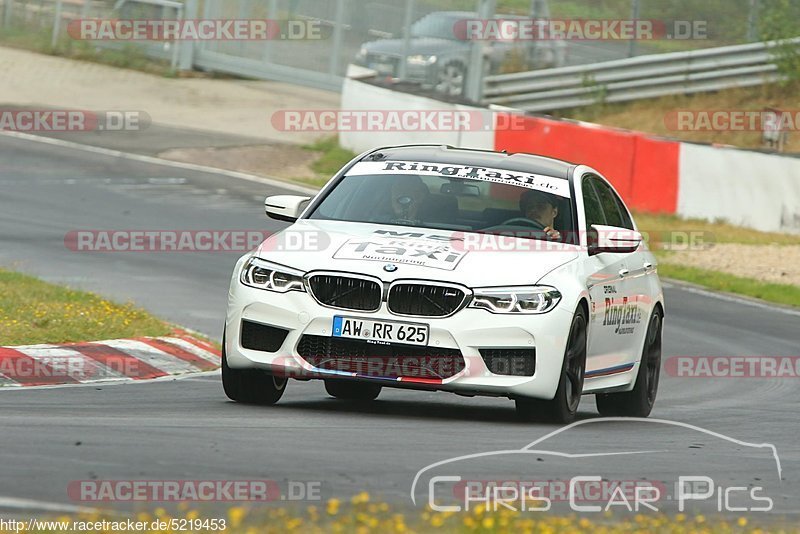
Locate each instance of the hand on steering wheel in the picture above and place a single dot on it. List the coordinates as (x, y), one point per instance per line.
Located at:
(552, 233)
(523, 221)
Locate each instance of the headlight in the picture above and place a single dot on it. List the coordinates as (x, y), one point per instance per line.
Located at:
(421, 60)
(528, 299)
(265, 275)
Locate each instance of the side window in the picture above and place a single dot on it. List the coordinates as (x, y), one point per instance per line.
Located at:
(612, 206)
(591, 204)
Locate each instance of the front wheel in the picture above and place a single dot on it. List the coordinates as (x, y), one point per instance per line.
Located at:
(640, 400)
(251, 386)
(451, 79)
(563, 407)
(351, 390)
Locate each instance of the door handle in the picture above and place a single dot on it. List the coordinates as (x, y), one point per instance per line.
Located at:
(624, 272)
(648, 265)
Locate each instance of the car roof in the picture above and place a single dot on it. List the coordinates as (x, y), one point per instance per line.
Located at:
(520, 162)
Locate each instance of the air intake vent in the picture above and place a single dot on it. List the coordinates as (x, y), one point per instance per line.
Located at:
(257, 336)
(511, 362)
(384, 361)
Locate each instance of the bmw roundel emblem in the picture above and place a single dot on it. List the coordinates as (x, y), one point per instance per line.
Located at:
(390, 267)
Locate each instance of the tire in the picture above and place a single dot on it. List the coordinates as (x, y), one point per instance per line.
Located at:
(452, 79)
(251, 386)
(563, 407)
(640, 400)
(351, 390)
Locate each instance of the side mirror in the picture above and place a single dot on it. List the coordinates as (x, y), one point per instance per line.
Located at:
(285, 208)
(601, 238)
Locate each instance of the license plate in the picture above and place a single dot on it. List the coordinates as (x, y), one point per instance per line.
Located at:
(381, 331)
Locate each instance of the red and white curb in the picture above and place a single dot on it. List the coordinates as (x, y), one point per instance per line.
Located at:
(116, 360)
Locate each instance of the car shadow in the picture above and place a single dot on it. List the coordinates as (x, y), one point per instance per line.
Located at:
(417, 410)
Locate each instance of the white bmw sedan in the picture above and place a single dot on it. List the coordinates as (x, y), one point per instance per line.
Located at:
(437, 268)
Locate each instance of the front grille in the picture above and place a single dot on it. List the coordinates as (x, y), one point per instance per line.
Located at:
(425, 300)
(375, 360)
(385, 65)
(512, 362)
(346, 292)
(257, 336)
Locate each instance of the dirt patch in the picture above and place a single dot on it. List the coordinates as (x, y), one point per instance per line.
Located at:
(768, 263)
(288, 162)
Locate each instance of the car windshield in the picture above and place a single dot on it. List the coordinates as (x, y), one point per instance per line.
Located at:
(451, 197)
(438, 25)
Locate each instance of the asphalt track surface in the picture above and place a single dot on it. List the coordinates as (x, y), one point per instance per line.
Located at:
(187, 430)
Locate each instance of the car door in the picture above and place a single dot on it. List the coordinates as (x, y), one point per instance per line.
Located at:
(637, 281)
(610, 290)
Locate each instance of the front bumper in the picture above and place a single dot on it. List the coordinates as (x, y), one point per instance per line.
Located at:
(468, 331)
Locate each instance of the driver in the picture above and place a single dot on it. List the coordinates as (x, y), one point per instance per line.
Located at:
(409, 192)
(541, 208)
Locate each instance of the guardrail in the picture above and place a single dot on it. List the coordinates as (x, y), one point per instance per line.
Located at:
(636, 78)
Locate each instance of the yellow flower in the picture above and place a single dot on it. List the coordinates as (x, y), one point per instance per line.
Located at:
(333, 507)
(236, 514)
(488, 522)
(360, 498)
(742, 522)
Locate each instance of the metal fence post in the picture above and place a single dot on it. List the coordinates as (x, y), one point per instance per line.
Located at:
(409, 19)
(473, 87)
(272, 15)
(336, 60)
(752, 21)
(186, 48)
(8, 6)
(635, 5)
(56, 23)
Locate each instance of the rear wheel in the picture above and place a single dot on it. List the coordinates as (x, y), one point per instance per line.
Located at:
(640, 400)
(251, 386)
(351, 390)
(563, 407)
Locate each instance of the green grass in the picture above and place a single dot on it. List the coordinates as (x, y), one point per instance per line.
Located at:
(330, 159)
(778, 293)
(33, 311)
(129, 56)
(660, 227)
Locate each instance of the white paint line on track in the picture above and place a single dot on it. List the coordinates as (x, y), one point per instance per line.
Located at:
(193, 349)
(14, 503)
(160, 161)
(159, 359)
(70, 363)
(197, 377)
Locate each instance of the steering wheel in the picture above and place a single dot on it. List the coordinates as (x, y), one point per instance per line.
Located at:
(522, 221)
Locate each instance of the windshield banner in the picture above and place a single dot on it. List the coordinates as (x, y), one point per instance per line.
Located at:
(548, 184)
